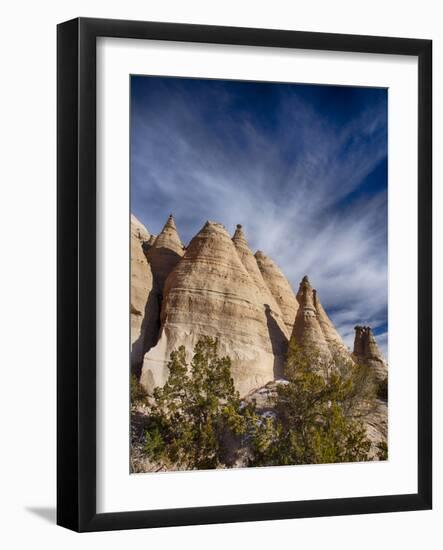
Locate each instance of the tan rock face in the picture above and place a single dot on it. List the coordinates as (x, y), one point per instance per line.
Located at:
(141, 287)
(248, 260)
(279, 287)
(366, 351)
(332, 337)
(313, 329)
(307, 331)
(151, 240)
(218, 288)
(164, 253)
(376, 424)
(138, 230)
(210, 292)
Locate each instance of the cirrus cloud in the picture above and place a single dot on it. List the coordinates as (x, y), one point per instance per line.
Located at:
(303, 168)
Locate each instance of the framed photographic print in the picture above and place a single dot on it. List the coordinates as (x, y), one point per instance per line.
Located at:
(244, 274)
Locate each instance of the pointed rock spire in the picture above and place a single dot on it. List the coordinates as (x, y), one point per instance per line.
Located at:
(168, 236)
(333, 338)
(210, 293)
(359, 344)
(366, 351)
(164, 253)
(239, 236)
(307, 331)
(279, 287)
(248, 260)
(170, 223)
(305, 294)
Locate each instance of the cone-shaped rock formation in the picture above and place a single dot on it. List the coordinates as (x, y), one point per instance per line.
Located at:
(279, 287)
(333, 338)
(308, 332)
(211, 293)
(217, 287)
(164, 253)
(366, 351)
(248, 260)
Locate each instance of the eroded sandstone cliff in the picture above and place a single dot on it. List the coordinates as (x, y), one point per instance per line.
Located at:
(164, 252)
(141, 287)
(210, 292)
(367, 352)
(265, 296)
(152, 259)
(307, 332)
(217, 287)
(279, 287)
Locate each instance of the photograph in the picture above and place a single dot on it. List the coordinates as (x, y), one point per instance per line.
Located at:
(259, 274)
(233, 269)
(233, 273)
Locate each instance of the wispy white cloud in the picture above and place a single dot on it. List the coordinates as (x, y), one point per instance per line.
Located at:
(292, 189)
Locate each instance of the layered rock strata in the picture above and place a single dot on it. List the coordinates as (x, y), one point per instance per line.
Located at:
(332, 337)
(248, 260)
(307, 332)
(164, 253)
(158, 256)
(217, 287)
(367, 352)
(211, 293)
(279, 287)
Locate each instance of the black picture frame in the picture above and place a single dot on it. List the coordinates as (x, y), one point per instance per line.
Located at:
(76, 266)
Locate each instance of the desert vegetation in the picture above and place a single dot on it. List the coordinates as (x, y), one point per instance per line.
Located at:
(315, 414)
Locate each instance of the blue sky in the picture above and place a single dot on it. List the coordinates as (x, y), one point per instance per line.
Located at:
(302, 167)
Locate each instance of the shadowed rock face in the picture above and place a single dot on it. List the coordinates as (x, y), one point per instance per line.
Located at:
(211, 293)
(152, 259)
(219, 288)
(141, 287)
(307, 331)
(164, 253)
(248, 260)
(366, 351)
(279, 287)
(332, 337)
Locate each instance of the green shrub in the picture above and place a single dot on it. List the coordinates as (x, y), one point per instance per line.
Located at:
(138, 392)
(194, 410)
(317, 413)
